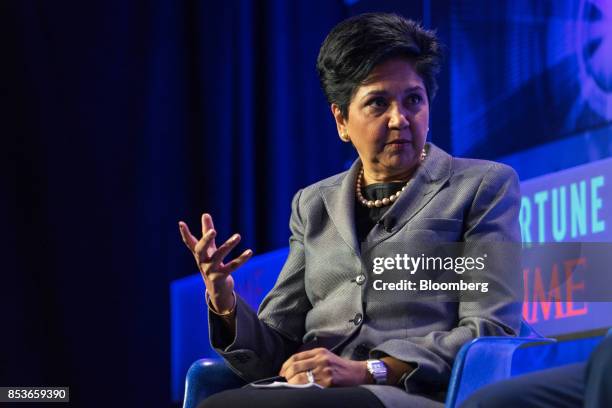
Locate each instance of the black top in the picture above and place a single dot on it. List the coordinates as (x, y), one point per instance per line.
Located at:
(366, 218)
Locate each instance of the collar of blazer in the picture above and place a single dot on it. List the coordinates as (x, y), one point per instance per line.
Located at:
(339, 198)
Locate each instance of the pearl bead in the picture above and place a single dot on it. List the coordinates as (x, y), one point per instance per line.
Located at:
(384, 201)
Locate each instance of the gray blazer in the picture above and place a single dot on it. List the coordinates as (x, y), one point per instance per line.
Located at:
(317, 300)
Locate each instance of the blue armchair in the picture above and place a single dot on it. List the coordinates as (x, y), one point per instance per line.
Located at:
(482, 361)
(206, 377)
(486, 360)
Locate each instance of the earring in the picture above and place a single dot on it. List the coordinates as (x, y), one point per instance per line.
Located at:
(345, 136)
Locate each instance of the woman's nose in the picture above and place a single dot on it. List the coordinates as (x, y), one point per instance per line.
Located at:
(398, 118)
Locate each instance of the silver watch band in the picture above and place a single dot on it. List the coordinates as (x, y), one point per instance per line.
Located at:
(378, 371)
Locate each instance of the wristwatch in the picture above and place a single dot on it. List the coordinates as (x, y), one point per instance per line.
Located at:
(378, 371)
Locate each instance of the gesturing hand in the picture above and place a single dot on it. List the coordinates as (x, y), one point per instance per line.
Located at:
(327, 368)
(216, 274)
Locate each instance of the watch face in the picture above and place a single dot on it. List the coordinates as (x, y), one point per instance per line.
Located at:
(377, 366)
(378, 370)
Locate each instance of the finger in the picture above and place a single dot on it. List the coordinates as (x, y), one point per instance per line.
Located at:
(302, 377)
(300, 366)
(237, 262)
(303, 355)
(207, 223)
(308, 360)
(202, 247)
(295, 369)
(188, 239)
(284, 367)
(299, 378)
(223, 250)
(300, 356)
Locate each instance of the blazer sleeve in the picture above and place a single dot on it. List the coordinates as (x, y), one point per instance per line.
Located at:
(263, 341)
(492, 218)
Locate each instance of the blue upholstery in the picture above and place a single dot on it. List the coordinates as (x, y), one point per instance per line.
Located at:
(206, 377)
(480, 362)
(486, 360)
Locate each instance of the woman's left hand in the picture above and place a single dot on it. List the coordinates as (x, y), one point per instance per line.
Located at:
(328, 369)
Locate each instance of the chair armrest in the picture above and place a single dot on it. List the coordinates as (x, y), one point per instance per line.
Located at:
(483, 361)
(206, 377)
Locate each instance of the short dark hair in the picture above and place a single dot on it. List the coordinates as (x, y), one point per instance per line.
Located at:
(356, 45)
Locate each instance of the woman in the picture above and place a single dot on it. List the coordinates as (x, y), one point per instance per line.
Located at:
(316, 325)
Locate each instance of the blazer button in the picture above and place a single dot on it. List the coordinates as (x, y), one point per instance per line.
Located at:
(360, 279)
(357, 319)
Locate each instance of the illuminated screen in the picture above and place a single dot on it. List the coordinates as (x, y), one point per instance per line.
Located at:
(525, 73)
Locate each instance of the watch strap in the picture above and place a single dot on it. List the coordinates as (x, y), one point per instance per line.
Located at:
(378, 371)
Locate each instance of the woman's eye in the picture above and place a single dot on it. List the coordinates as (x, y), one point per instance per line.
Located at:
(378, 102)
(414, 99)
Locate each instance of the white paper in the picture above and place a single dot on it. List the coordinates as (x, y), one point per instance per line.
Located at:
(279, 384)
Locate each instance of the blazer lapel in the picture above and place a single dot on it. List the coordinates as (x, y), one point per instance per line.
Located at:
(427, 181)
(340, 204)
(339, 199)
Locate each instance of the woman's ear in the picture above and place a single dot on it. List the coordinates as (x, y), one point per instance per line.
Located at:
(341, 123)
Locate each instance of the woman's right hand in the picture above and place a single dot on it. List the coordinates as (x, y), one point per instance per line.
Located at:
(216, 274)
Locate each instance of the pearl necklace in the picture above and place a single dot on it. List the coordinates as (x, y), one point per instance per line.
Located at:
(385, 201)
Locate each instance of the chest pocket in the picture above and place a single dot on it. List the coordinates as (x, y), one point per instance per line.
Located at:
(436, 229)
(436, 224)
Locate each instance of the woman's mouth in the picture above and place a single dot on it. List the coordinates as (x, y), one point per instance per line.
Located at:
(398, 143)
